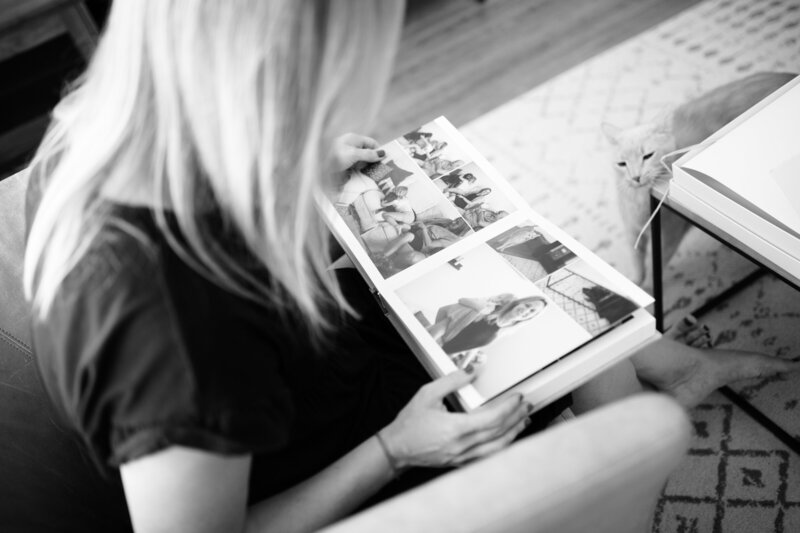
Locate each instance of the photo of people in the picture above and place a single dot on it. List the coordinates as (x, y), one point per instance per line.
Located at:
(472, 323)
(475, 195)
(483, 313)
(582, 293)
(399, 217)
(414, 242)
(480, 216)
(531, 251)
(432, 151)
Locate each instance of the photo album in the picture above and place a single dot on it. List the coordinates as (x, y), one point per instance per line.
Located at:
(473, 278)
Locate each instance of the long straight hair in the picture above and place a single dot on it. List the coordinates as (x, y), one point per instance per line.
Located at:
(230, 105)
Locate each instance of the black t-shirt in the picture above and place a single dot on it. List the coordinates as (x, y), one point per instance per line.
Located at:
(474, 335)
(141, 352)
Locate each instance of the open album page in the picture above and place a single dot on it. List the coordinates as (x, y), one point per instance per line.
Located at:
(472, 272)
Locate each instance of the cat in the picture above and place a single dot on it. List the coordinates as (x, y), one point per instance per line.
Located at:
(639, 150)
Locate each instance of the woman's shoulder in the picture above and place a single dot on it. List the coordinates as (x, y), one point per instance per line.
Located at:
(142, 352)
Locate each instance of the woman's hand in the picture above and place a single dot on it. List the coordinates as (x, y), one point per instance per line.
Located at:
(483, 306)
(426, 434)
(351, 148)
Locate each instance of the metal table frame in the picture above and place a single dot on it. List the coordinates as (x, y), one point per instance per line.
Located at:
(733, 243)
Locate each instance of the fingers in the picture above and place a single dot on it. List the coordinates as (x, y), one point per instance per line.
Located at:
(699, 337)
(495, 415)
(359, 141)
(492, 423)
(366, 155)
(352, 148)
(435, 391)
(492, 446)
(681, 327)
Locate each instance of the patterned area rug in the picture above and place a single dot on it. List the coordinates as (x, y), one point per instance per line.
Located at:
(737, 477)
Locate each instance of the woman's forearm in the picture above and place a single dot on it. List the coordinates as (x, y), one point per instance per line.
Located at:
(326, 497)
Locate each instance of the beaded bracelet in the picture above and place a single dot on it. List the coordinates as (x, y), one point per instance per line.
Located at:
(396, 469)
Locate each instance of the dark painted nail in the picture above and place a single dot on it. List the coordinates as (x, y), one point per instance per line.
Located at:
(529, 408)
(381, 153)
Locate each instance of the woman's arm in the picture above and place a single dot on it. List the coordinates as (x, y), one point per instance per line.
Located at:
(182, 489)
(424, 433)
(474, 203)
(481, 305)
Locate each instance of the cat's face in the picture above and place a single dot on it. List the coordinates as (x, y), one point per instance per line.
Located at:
(637, 152)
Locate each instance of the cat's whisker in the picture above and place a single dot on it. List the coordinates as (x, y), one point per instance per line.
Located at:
(648, 151)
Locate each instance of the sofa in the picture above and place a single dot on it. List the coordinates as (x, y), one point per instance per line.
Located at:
(602, 472)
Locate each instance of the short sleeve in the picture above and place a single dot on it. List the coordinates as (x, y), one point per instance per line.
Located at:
(139, 362)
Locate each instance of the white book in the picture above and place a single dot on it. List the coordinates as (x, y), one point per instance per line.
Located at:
(470, 274)
(739, 226)
(750, 173)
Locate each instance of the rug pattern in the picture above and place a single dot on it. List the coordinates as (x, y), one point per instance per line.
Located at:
(548, 143)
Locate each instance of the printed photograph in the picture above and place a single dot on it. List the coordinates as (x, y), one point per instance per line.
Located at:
(534, 253)
(398, 215)
(584, 295)
(432, 151)
(474, 194)
(483, 313)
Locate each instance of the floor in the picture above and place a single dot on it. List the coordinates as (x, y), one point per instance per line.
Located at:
(462, 58)
(458, 58)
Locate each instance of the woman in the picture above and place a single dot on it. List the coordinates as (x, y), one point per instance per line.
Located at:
(455, 180)
(396, 207)
(478, 216)
(436, 166)
(185, 321)
(467, 325)
(417, 241)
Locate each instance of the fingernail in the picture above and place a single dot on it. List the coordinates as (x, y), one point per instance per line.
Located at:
(689, 320)
(381, 153)
(705, 328)
(529, 407)
(527, 422)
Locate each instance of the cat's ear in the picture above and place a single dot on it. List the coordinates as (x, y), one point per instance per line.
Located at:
(611, 132)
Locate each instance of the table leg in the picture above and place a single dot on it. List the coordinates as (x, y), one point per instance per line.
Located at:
(655, 243)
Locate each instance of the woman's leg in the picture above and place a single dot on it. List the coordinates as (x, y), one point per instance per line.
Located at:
(690, 374)
(680, 364)
(614, 384)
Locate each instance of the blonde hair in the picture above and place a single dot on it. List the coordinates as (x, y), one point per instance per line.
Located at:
(230, 105)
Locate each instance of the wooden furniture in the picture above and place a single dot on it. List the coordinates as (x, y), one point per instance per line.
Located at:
(25, 24)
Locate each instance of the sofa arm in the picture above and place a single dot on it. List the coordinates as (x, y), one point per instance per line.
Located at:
(14, 315)
(602, 472)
